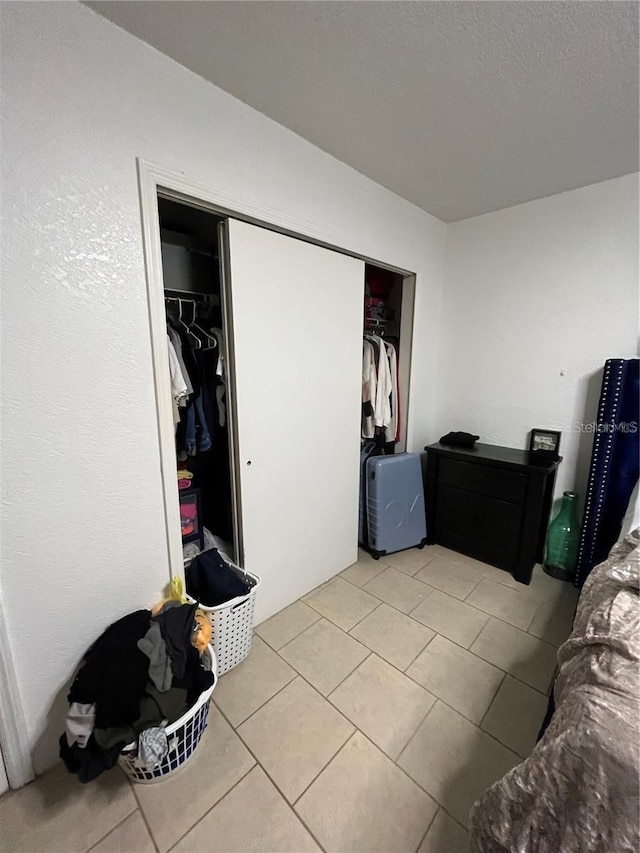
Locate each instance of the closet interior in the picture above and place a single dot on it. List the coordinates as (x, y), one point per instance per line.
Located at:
(212, 455)
(196, 346)
(388, 308)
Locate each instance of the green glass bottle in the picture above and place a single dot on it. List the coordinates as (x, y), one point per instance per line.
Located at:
(561, 551)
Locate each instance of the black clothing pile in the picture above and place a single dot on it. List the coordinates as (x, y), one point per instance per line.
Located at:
(142, 673)
(459, 439)
(212, 581)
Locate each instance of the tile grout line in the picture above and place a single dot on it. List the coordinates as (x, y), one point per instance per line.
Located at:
(437, 698)
(483, 613)
(353, 583)
(316, 777)
(471, 591)
(113, 828)
(347, 719)
(144, 820)
(422, 788)
(542, 604)
(436, 633)
(395, 763)
(364, 588)
(444, 702)
(217, 803)
(523, 589)
(431, 590)
(322, 696)
(477, 607)
(502, 681)
(454, 819)
(428, 593)
(255, 711)
(297, 637)
(476, 637)
(273, 781)
(377, 607)
(340, 683)
(504, 746)
(506, 672)
(402, 748)
(465, 648)
(426, 832)
(426, 646)
(301, 631)
(329, 619)
(304, 678)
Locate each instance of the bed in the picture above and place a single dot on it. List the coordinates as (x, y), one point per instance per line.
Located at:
(578, 792)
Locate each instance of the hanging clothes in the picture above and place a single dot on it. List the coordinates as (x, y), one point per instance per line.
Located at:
(391, 428)
(177, 346)
(380, 390)
(221, 384)
(197, 360)
(369, 380)
(179, 387)
(382, 408)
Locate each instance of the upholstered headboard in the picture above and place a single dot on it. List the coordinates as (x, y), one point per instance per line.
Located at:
(613, 473)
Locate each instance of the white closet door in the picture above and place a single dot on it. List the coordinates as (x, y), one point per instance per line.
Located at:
(297, 337)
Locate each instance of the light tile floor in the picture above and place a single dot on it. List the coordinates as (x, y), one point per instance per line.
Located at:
(369, 716)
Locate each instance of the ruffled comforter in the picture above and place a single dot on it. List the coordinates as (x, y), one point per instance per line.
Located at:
(578, 792)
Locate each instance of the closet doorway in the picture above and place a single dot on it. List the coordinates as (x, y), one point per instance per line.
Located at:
(388, 315)
(197, 342)
(263, 337)
(290, 313)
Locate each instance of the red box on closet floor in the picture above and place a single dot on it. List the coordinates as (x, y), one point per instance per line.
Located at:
(190, 524)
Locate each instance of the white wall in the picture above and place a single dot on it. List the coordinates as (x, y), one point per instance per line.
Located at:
(83, 533)
(531, 291)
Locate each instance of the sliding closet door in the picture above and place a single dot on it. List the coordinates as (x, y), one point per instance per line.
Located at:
(296, 314)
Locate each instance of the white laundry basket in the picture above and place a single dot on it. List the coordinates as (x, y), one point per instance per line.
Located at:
(183, 736)
(232, 623)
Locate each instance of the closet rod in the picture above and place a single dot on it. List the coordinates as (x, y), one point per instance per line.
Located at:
(169, 291)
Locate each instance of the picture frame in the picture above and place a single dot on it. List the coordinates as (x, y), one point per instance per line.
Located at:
(544, 445)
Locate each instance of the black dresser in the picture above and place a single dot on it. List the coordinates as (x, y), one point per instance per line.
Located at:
(489, 502)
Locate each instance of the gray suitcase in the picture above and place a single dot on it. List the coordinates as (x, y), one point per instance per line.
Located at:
(395, 504)
(369, 448)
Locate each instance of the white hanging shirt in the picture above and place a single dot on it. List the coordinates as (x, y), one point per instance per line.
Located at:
(382, 409)
(369, 381)
(179, 388)
(391, 428)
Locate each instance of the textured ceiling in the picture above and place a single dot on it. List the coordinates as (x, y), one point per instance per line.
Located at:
(460, 107)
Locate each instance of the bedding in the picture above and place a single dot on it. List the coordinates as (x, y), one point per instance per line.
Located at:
(578, 792)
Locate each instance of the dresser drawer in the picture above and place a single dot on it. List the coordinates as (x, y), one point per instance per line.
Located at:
(483, 480)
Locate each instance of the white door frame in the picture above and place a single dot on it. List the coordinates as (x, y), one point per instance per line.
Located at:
(153, 179)
(14, 739)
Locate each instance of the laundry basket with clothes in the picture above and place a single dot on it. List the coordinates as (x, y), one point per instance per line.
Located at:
(144, 672)
(228, 595)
